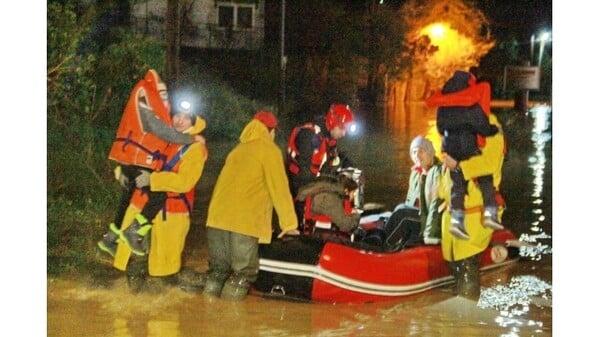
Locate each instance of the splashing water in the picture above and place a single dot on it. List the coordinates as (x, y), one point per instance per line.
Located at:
(534, 252)
(514, 299)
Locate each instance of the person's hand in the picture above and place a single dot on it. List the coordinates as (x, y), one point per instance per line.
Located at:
(143, 179)
(121, 178)
(290, 232)
(450, 162)
(199, 139)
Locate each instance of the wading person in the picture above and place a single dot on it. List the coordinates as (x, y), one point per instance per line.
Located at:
(312, 150)
(142, 136)
(251, 183)
(178, 179)
(463, 256)
(463, 130)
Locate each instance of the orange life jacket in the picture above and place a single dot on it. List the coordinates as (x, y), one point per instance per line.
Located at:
(320, 223)
(318, 158)
(476, 93)
(132, 145)
(176, 202)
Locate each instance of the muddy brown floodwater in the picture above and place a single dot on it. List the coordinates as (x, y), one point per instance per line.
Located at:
(518, 297)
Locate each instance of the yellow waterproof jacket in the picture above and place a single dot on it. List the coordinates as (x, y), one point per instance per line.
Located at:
(252, 181)
(490, 161)
(169, 230)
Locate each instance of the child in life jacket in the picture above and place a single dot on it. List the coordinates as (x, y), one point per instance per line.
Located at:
(464, 126)
(143, 134)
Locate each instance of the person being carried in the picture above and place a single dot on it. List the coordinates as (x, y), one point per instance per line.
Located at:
(418, 219)
(463, 127)
(143, 134)
(328, 209)
(312, 150)
(240, 213)
(178, 179)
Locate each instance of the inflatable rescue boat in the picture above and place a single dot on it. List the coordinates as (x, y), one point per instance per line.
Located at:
(306, 268)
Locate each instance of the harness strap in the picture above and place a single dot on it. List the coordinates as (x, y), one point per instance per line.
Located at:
(156, 155)
(168, 167)
(185, 200)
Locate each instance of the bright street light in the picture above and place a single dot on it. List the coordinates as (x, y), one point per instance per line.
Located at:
(543, 38)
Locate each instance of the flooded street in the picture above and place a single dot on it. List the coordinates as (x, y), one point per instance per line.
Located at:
(518, 296)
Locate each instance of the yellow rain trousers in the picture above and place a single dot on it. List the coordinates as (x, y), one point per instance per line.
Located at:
(168, 233)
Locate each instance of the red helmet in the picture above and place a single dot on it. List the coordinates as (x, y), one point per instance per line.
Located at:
(338, 115)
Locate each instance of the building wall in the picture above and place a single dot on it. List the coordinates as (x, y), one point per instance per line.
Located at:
(200, 26)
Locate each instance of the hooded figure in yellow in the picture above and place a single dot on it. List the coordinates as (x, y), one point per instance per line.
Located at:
(464, 255)
(178, 178)
(252, 182)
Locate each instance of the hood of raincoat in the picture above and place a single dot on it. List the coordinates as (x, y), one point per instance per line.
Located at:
(252, 182)
(254, 130)
(198, 126)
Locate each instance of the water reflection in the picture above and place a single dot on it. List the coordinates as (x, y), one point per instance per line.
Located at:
(537, 162)
(165, 327)
(540, 137)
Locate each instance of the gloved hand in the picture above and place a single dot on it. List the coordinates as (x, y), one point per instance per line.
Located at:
(121, 178)
(143, 179)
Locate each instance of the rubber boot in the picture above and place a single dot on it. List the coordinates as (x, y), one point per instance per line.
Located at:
(214, 283)
(136, 235)
(455, 271)
(457, 225)
(109, 243)
(236, 288)
(468, 283)
(191, 280)
(490, 218)
(136, 271)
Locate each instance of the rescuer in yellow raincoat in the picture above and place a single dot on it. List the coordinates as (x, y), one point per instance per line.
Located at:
(463, 255)
(178, 178)
(252, 182)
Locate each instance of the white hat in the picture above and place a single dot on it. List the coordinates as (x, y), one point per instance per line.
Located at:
(423, 143)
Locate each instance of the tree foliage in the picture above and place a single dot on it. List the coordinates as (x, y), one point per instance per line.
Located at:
(340, 51)
(471, 39)
(87, 87)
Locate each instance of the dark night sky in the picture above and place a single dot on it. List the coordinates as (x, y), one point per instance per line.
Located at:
(519, 18)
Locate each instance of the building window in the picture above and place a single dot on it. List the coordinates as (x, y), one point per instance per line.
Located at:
(244, 17)
(237, 16)
(225, 16)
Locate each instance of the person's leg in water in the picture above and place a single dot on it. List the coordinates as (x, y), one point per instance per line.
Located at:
(490, 212)
(244, 264)
(457, 205)
(219, 261)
